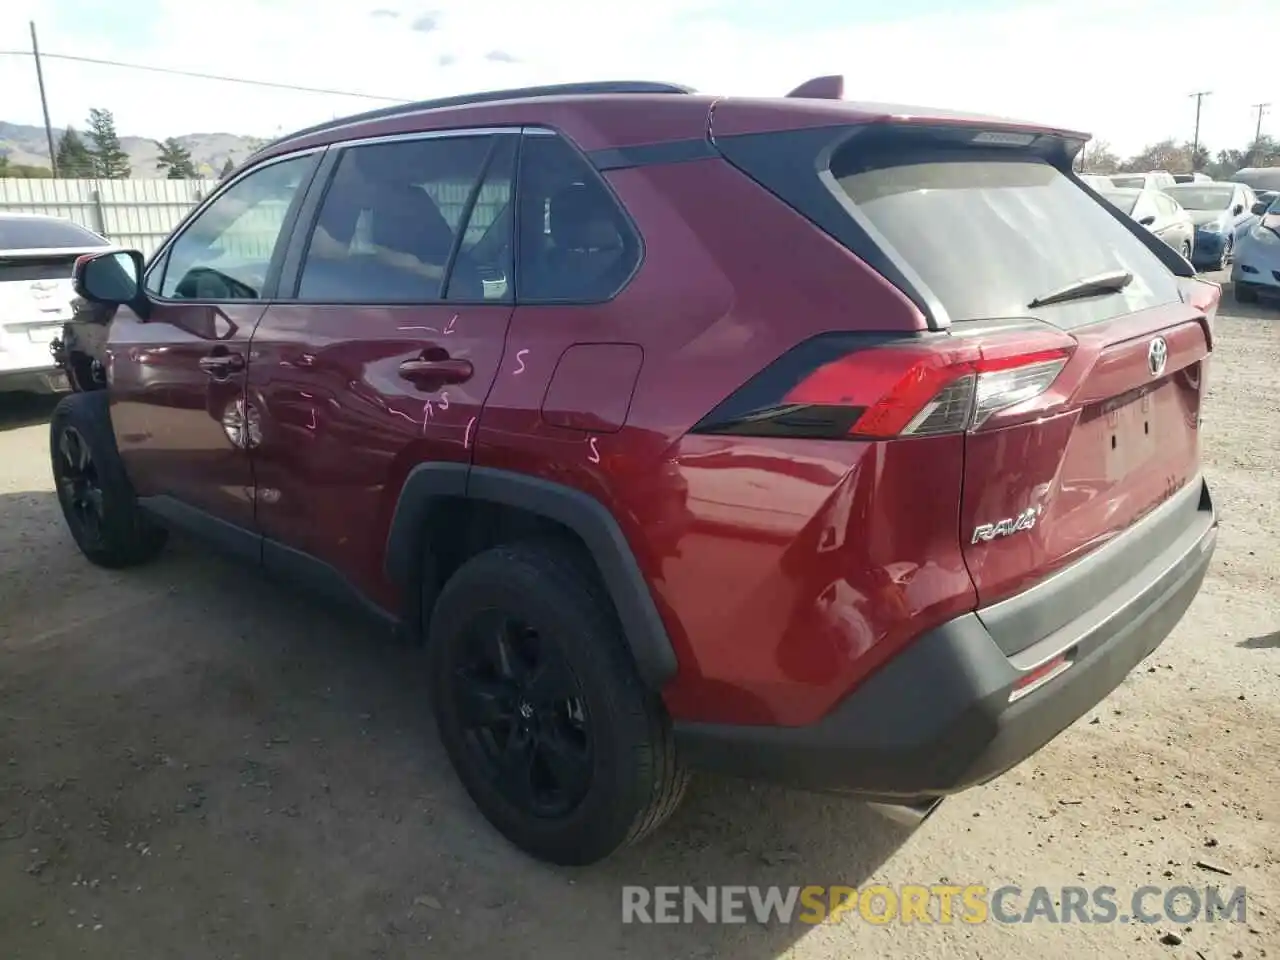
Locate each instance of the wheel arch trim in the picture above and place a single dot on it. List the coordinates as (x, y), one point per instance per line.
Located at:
(642, 624)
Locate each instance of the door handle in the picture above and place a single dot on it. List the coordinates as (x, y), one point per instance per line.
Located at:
(221, 364)
(422, 371)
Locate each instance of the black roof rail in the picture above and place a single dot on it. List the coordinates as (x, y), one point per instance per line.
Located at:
(488, 96)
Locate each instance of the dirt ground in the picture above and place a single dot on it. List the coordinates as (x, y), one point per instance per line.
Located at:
(195, 763)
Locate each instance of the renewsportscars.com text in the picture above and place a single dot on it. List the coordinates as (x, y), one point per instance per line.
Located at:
(937, 903)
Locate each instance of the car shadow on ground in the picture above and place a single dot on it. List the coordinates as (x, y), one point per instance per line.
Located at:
(1264, 642)
(276, 760)
(26, 409)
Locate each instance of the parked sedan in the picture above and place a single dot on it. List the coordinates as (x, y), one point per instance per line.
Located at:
(1159, 213)
(1256, 269)
(1222, 212)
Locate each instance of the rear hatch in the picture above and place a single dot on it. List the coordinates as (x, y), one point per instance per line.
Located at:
(1074, 355)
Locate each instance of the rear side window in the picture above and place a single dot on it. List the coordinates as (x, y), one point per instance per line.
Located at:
(37, 233)
(575, 243)
(990, 235)
(390, 219)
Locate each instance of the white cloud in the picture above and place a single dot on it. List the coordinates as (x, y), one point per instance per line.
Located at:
(1120, 69)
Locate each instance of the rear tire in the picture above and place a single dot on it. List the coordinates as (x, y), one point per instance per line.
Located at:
(1186, 251)
(541, 711)
(1244, 293)
(93, 490)
(1228, 246)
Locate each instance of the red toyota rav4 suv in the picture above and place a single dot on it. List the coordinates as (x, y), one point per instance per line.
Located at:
(844, 445)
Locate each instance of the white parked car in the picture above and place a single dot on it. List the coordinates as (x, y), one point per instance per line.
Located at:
(37, 254)
(1098, 181)
(1151, 180)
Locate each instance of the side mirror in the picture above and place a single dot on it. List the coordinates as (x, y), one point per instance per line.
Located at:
(1147, 220)
(1260, 207)
(112, 279)
(1237, 209)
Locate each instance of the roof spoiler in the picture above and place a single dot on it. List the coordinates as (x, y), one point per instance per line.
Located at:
(820, 88)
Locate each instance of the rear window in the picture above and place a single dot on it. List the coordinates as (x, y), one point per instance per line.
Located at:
(1135, 182)
(988, 236)
(1124, 201)
(29, 233)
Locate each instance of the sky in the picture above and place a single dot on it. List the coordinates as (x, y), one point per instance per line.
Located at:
(1119, 69)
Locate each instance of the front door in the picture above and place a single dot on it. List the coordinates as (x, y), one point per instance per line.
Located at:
(379, 354)
(177, 378)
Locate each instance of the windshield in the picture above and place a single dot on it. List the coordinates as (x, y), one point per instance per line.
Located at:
(1126, 200)
(1201, 198)
(1137, 182)
(37, 233)
(989, 236)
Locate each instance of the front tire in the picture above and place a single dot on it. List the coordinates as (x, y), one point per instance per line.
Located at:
(97, 500)
(540, 709)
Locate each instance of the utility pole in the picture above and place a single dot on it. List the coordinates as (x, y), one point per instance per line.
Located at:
(1195, 144)
(44, 101)
(1261, 109)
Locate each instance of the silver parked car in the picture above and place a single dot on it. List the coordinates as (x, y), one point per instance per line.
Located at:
(1256, 267)
(1159, 213)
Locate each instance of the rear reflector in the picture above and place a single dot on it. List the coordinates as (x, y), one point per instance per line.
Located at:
(1035, 679)
(851, 386)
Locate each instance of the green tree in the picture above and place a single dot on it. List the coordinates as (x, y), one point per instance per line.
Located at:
(110, 162)
(74, 159)
(176, 159)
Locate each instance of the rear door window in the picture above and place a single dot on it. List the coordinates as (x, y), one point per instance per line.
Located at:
(990, 235)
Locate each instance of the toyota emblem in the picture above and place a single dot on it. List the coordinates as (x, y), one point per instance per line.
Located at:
(1157, 356)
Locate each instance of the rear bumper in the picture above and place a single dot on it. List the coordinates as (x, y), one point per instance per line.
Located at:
(937, 718)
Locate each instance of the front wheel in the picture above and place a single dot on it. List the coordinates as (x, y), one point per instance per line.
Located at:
(540, 709)
(97, 500)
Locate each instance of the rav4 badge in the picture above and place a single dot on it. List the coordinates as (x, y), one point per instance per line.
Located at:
(1006, 527)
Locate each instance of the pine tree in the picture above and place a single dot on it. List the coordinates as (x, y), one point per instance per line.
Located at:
(176, 159)
(228, 169)
(110, 162)
(74, 159)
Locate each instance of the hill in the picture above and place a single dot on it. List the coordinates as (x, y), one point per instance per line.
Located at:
(25, 144)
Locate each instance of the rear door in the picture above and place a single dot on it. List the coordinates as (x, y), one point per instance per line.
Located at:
(983, 228)
(383, 344)
(1119, 432)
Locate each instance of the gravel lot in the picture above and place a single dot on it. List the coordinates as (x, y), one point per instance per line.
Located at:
(195, 763)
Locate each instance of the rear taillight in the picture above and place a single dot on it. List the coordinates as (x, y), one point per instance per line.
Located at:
(852, 386)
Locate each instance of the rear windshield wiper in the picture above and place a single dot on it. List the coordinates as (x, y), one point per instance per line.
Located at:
(1101, 283)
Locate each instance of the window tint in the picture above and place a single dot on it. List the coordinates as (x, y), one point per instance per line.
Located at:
(483, 267)
(988, 236)
(35, 233)
(225, 252)
(576, 244)
(389, 219)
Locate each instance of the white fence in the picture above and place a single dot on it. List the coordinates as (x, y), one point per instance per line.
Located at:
(132, 213)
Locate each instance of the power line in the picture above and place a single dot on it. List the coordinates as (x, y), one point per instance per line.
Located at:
(203, 76)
